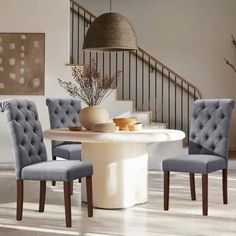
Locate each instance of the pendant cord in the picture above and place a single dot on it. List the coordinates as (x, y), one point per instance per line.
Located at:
(110, 5)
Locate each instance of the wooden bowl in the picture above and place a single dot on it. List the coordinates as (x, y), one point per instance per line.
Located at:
(124, 123)
(75, 128)
(104, 127)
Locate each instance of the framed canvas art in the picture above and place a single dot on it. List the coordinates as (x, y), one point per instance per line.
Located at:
(22, 63)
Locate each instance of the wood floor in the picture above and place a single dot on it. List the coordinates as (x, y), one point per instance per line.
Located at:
(183, 218)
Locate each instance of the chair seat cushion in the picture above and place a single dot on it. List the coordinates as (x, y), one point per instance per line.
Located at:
(61, 170)
(195, 163)
(68, 151)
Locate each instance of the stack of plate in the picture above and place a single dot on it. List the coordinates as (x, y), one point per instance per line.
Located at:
(105, 127)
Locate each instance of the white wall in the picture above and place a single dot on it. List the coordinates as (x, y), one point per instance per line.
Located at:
(49, 17)
(52, 18)
(190, 36)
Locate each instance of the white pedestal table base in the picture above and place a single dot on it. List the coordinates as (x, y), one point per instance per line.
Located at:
(120, 174)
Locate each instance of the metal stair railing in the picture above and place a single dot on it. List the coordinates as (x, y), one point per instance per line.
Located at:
(151, 84)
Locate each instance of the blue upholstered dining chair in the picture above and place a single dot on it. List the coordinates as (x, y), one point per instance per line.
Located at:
(31, 157)
(63, 112)
(208, 148)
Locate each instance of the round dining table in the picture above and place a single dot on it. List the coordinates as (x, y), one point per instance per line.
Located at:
(119, 159)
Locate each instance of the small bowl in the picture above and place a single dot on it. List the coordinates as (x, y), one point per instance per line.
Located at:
(135, 127)
(124, 123)
(75, 128)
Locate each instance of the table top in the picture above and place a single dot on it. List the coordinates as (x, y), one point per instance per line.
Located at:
(146, 135)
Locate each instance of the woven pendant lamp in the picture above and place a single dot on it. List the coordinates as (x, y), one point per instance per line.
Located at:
(110, 32)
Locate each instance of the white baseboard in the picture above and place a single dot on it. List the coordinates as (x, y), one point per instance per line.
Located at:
(7, 166)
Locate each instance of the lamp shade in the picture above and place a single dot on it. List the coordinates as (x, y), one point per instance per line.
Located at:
(110, 32)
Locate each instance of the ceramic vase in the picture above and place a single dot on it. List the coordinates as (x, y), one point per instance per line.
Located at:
(89, 116)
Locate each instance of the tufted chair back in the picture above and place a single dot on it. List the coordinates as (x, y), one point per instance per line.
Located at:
(25, 132)
(63, 113)
(209, 132)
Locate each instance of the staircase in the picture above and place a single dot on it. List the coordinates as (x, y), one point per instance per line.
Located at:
(150, 84)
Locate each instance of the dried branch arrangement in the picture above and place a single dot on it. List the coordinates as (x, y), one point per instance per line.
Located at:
(227, 61)
(89, 85)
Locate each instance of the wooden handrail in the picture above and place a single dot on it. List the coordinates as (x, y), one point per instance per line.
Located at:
(153, 67)
(171, 71)
(84, 9)
(87, 20)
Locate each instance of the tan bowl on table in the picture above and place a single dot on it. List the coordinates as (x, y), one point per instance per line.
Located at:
(124, 123)
(135, 127)
(75, 128)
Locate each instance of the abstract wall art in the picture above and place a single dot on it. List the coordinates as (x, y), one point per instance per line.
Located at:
(22, 63)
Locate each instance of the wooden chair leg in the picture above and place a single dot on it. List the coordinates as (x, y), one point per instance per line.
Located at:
(42, 196)
(205, 194)
(192, 186)
(89, 188)
(67, 200)
(225, 185)
(54, 182)
(71, 187)
(19, 197)
(166, 189)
